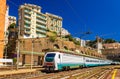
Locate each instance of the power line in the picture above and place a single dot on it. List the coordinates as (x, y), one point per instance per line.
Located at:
(109, 34)
(76, 13)
(13, 3)
(13, 7)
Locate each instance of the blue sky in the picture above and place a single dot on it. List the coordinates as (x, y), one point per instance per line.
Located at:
(101, 17)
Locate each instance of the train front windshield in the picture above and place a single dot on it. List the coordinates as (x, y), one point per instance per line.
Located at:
(50, 57)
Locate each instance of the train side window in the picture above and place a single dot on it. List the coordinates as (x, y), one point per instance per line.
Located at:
(59, 56)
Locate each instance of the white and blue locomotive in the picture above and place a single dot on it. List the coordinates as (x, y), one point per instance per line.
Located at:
(64, 61)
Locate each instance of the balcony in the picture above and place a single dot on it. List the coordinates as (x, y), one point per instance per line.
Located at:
(27, 19)
(38, 31)
(39, 22)
(41, 16)
(38, 18)
(27, 22)
(27, 12)
(41, 27)
(27, 9)
(27, 15)
(27, 27)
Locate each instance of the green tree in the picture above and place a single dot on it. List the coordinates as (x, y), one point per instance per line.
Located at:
(109, 40)
(52, 38)
(69, 37)
(12, 26)
(76, 42)
(92, 43)
(72, 39)
(12, 37)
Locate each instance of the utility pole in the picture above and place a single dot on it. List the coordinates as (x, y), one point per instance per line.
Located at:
(18, 51)
(32, 54)
(18, 47)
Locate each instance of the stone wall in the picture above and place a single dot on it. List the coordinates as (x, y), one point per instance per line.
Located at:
(39, 46)
(113, 54)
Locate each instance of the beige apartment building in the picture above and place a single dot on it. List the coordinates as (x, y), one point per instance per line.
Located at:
(32, 21)
(54, 23)
(64, 32)
(6, 25)
(12, 19)
(6, 18)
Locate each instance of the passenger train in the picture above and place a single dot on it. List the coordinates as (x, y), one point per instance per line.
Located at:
(64, 61)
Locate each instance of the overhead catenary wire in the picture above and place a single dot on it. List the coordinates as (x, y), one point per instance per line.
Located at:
(76, 14)
(74, 11)
(109, 34)
(13, 3)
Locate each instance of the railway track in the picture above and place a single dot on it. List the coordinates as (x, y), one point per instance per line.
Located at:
(101, 74)
(22, 75)
(85, 73)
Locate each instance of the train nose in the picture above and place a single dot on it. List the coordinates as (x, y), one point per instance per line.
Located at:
(49, 67)
(49, 64)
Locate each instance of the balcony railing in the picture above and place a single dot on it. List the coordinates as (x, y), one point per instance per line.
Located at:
(41, 16)
(27, 16)
(40, 31)
(26, 11)
(27, 22)
(28, 27)
(41, 27)
(40, 22)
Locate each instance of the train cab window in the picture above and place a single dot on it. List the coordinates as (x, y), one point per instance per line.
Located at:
(59, 56)
(50, 55)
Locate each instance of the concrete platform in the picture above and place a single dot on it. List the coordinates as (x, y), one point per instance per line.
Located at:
(20, 71)
(9, 72)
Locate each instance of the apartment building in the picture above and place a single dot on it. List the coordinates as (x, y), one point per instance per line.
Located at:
(8, 21)
(32, 21)
(12, 19)
(6, 18)
(54, 23)
(64, 32)
(6, 25)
